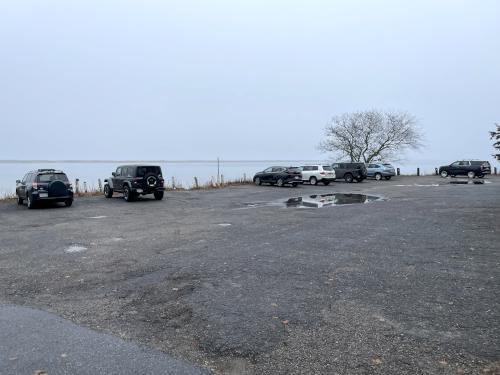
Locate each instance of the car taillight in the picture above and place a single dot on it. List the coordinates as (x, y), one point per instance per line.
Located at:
(34, 185)
(322, 173)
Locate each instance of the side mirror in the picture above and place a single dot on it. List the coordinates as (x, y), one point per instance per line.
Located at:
(18, 181)
(113, 174)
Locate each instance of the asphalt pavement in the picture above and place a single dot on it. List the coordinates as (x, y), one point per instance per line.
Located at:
(235, 281)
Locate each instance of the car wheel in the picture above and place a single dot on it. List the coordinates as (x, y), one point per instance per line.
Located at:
(388, 178)
(295, 184)
(257, 181)
(158, 195)
(127, 194)
(444, 174)
(29, 202)
(108, 192)
(471, 174)
(68, 202)
(360, 179)
(326, 183)
(378, 176)
(313, 180)
(20, 200)
(348, 178)
(280, 182)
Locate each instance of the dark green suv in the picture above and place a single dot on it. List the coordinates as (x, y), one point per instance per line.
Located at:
(350, 171)
(44, 185)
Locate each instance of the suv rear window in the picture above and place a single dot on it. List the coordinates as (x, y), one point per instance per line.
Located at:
(49, 177)
(142, 171)
(327, 168)
(477, 162)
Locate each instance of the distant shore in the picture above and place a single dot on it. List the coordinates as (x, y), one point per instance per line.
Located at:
(151, 161)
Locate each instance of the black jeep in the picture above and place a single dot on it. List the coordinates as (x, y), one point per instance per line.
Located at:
(44, 185)
(135, 180)
(350, 171)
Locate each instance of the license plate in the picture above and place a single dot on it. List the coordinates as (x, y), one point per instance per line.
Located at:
(138, 190)
(43, 195)
(296, 177)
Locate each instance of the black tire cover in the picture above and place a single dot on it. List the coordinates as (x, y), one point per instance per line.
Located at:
(57, 188)
(151, 179)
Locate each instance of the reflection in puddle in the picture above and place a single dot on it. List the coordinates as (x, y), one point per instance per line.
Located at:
(324, 200)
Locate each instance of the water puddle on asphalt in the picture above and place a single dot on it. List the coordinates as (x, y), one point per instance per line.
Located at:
(319, 201)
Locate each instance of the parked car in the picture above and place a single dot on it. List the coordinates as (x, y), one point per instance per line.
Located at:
(44, 185)
(350, 171)
(135, 180)
(469, 168)
(380, 170)
(279, 176)
(318, 173)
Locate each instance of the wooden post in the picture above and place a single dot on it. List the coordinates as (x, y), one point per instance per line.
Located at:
(196, 185)
(77, 186)
(437, 172)
(173, 182)
(495, 170)
(398, 172)
(222, 180)
(218, 170)
(418, 171)
(244, 177)
(85, 187)
(99, 183)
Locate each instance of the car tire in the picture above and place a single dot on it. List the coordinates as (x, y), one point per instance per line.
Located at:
(257, 181)
(68, 202)
(444, 174)
(29, 202)
(326, 183)
(471, 174)
(360, 179)
(295, 184)
(108, 192)
(378, 176)
(313, 180)
(388, 178)
(280, 182)
(20, 200)
(158, 195)
(127, 194)
(348, 178)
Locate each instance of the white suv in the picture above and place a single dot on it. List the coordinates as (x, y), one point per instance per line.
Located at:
(318, 173)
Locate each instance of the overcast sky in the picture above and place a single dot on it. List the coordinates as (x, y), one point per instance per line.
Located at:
(255, 79)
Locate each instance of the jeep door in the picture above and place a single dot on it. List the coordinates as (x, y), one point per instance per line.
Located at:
(118, 180)
(339, 170)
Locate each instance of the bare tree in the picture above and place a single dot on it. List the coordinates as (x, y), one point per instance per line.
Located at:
(370, 135)
(495, 135)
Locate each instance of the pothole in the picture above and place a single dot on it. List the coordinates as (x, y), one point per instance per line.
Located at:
(75, 249)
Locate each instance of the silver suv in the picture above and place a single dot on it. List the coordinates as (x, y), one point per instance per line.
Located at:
(318, 173)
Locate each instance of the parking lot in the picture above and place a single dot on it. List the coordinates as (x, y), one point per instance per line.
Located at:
(235, 281)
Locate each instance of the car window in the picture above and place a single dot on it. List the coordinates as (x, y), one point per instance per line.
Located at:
(314, 167)
(455, 164)
(278, 169)
(268, 170)
(293, 169)
(306, 168)
(327, 168)
(144, 170)
(118, 171)
(49, 177)
(25, 178)
(466, 163)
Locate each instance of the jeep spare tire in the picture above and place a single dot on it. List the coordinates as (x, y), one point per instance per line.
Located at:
(151, 180)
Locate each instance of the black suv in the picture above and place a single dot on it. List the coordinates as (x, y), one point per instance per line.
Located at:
(135, 180)
(469, 168)
(44, 185)
(350, 171)
(279, 176)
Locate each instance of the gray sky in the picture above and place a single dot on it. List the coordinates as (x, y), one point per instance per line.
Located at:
(254, 79)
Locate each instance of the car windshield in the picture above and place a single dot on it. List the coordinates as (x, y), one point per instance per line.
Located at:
(142, 171)
(49, 177)
(387, 165)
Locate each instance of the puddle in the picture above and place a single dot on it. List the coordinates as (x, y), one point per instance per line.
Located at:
(318, 201)
(75, 249)
(326, 200)
(468, 182)
(97, 217)
(416, 185)
(224, 224)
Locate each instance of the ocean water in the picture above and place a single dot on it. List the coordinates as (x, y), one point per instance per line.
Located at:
(183, 171)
